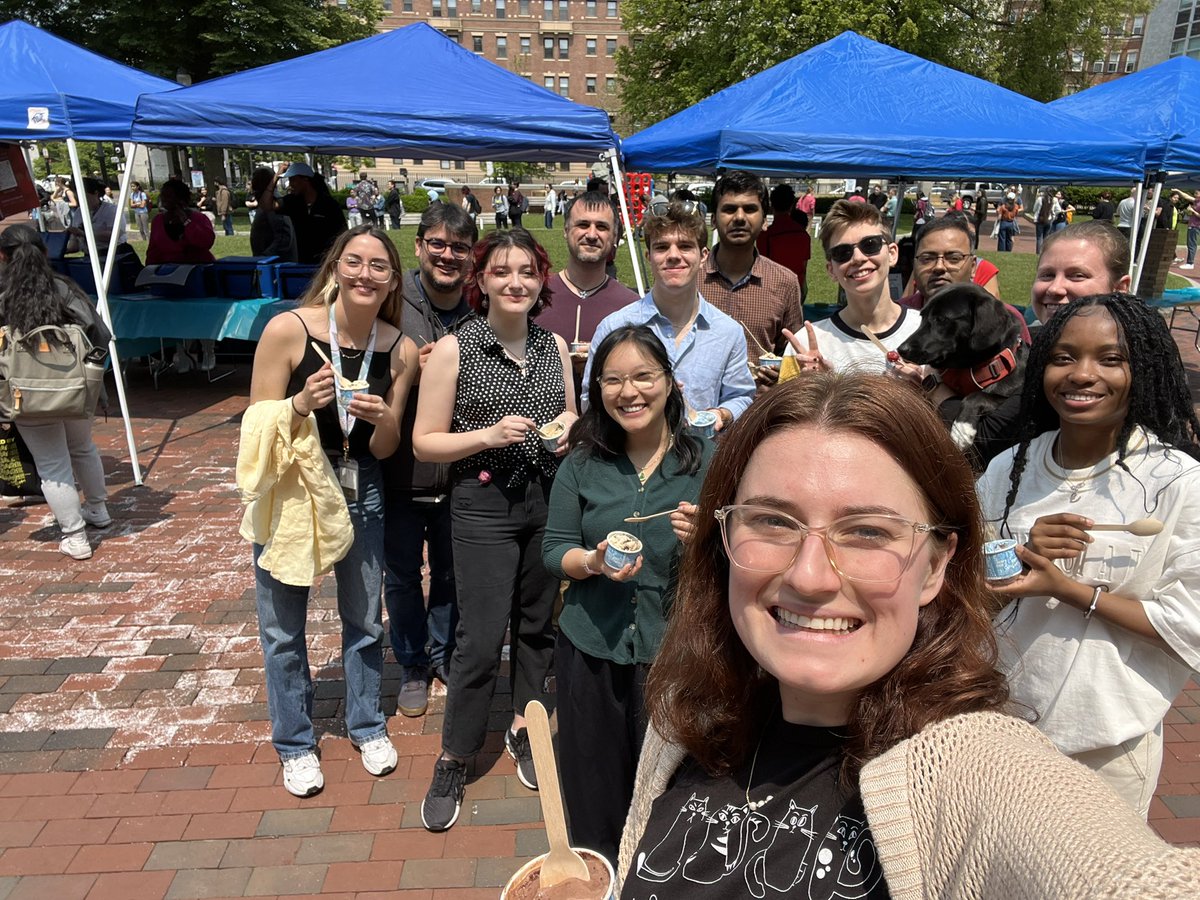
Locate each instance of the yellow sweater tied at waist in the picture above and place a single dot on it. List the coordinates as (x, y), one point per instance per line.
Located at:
(294, 506)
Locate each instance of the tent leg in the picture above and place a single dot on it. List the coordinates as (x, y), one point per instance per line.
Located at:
(1135, 230)
(1144, 239)
(615, 166)
(102, 293)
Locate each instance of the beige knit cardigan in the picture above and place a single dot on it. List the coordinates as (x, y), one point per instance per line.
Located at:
(983, 806)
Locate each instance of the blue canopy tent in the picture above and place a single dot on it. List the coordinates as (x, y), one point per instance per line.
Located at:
(53, 90)
(409, 92)
(852, 107)
(1159, 105)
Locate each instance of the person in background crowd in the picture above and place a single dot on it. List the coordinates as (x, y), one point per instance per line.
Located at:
(1046, 210)
(353, 216)
(224, 202)
(1193, 231)
(1104, 210)
(756, 291)
(631, 451)
(584, 290)
(394, 205)
(316, 216)
(252, 204)
(180, 234)
(859, 255)
(807, 204)
(890, 210)
(922, 213)
(417, 494)
(1103, 631)
(470, 203)
(1007, 212)
(827, 718)
(707, 348)
(786, 240)
(518, 203)
(32, 295)
(979, 216)
(550, 206)
(271, 232)
(107, 221)
(500, 207)
(351, 310)
(139, 202)
(486, 390)
(1127, 213)
(365, 193)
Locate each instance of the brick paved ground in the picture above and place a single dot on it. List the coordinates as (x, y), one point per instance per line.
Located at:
(134, 753)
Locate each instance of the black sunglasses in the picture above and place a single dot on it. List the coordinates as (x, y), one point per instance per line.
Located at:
(870, 246)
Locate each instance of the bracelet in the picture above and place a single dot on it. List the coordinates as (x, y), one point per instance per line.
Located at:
(295, 410)
(1095, 599)
(588, 568)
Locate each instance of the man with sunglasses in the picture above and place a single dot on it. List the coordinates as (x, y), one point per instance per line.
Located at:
(859, 254)
(707, 348)
(757, 292)
(416, 504)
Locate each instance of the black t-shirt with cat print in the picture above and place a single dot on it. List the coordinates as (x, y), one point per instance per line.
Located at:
(801, 834)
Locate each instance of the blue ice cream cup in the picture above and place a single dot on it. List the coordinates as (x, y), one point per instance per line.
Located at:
(1000, 560)
(704, 422)
(623, 549)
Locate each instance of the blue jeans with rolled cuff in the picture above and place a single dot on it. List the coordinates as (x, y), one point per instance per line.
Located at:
(283, 609)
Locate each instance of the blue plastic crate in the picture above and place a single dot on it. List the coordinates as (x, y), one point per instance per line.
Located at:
(246, 277)
(294, 279)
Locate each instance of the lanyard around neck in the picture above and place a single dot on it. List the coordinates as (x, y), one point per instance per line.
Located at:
(335, 358)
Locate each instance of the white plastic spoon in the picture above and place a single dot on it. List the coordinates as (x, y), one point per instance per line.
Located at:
(665, 512)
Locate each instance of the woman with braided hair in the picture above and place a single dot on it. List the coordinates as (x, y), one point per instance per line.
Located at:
(1103, 628)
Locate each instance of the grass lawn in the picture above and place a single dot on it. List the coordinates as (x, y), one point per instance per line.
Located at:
(1016, 269)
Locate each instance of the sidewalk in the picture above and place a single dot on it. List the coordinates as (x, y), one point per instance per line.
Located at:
(135, 760)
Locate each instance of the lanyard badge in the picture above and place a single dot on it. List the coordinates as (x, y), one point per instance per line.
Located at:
(347, 467)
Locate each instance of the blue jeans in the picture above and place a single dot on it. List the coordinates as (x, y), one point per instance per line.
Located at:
(282, 610)
(1042, 230)
(228, 223)
(1192, 235)
(1004, 239)
(419, 637)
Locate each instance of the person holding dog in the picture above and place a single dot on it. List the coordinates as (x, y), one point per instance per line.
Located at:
(1103, 630)
(859, 253)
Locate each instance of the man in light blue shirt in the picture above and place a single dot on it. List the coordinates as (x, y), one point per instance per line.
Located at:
(707, 348)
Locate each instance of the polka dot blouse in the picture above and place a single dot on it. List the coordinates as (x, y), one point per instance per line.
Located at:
(491, 385)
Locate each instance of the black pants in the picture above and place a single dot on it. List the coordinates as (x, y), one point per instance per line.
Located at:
(502, 584)
(601, 726)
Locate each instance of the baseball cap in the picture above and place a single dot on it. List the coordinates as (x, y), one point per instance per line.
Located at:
(1011, 196)
(299, 168)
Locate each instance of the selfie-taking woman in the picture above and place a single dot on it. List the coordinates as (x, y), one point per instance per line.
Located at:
(826, 718)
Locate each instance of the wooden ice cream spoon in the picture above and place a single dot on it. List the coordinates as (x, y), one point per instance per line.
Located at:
(561, 862)
(1139, 527)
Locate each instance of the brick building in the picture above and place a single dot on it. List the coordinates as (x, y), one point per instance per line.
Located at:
(567, 46)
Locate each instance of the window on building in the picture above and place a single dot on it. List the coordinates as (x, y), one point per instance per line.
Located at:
(476, 6)
(564, 85)
(387, 6)
(611, 8)
(418, 162)
(526, 45)
(1076, 61)
(407, 6)
(610, 84)
(590, 84)
(610, 46)
(397, 162)
(477, 43)
(1114, 61)
(1139, 25)
(548, 10)
(564, 10)
(452, 8)
(564, 48)
(547, 48)
(500, 13)
(445, 164)
(590, 9)
(548, 82)
(523, 8)
(590, 46)
(501, 46)
(437, 7)
(1098, 67)
(550, 167)
(459, 165)
(1131, 61)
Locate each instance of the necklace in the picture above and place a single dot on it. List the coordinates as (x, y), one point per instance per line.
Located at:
(752, 805)
(1076, 486)
(648, 469)
(583, 293)
(521, 362)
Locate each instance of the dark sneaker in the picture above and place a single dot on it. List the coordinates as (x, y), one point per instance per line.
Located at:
(414, 691)
(439, 810)
(517, 745)
(442, 672)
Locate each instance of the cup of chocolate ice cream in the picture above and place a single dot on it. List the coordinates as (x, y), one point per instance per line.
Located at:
(526, 881)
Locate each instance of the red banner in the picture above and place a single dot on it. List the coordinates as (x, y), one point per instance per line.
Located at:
(17, 196)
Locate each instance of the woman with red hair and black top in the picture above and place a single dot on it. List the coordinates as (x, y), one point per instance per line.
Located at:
(485, 391)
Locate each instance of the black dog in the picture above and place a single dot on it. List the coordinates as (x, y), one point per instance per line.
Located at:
(975, 341)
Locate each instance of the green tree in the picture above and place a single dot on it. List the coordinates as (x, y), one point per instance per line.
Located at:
(685, 50)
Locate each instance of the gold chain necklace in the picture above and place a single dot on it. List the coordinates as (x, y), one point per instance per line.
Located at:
(1076, 486)
(647, 470)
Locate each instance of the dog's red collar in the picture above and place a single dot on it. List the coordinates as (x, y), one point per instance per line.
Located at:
(967, 381)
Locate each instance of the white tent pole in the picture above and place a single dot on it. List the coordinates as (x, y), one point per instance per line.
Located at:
(85, 214)
(1135, 229)
(1145, 238)
(615, 166)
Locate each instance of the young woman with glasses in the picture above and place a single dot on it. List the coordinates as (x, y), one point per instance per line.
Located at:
(859, 255)
(631, 455)
(486, 390)
(350, 317)
(826, 716)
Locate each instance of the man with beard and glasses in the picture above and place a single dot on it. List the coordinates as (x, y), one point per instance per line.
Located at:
(583, 288)
(417, 504)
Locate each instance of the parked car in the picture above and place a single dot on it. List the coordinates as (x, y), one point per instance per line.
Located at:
(437, 184)
(993, 191)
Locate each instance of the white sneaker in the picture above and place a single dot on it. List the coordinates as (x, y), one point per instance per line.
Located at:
(75, 545)
(1188, 266)
(208, 356)
(96, 516)
(302, 775)
(378, 755)
(183, 361)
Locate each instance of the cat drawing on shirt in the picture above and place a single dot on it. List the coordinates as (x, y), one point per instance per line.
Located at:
(794, 834)
(850, 847)
(688, 829)
(731, 831)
